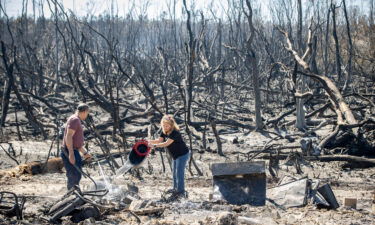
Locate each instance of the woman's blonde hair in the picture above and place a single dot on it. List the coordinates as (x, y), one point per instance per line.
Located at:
(171, 121)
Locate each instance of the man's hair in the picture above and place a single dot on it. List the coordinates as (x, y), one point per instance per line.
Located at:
(82, 107)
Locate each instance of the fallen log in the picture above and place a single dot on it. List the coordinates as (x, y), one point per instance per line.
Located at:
(128, 119)
(270, 149)
(54, 110)
(353, 161)
(148, 211)
(280, 117)
(344, 127)
(360, 96)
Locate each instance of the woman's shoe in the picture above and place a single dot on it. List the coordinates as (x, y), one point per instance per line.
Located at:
(170, 191)
(183, 194)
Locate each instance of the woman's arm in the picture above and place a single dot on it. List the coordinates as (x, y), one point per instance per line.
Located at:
(163, 144)
(156, 141)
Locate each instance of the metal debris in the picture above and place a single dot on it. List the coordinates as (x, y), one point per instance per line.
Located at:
(240, 182)
(10, 205)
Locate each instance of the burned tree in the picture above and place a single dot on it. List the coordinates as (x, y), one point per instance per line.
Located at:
(345, 117)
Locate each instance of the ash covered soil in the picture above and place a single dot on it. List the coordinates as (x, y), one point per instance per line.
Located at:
(42, 190)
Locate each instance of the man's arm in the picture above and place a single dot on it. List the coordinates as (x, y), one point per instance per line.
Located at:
(69, 145)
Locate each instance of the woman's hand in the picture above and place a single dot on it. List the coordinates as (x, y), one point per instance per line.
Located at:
(151, 145)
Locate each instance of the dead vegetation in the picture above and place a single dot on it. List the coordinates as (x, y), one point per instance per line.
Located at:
(295, 94)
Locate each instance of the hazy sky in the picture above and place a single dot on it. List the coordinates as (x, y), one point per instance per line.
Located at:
(153, 8)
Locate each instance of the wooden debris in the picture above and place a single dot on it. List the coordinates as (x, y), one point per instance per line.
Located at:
(350, 202)
(137, 205)
(151, 210)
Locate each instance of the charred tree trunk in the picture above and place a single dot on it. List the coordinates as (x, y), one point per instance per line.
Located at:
(253, 61)
(5, 102)
(337, 46)
(18, 126)
(115, 112)
(188, 81)
(217, 137)
(164, 84)
(301, 86)
(350, 50)
(221, 85)
(371, 18)
(314, 66)
(57, 78)
(326, 47)
(299, 25)
(258, 104)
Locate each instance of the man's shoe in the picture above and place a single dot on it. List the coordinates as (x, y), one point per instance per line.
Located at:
(174, 197)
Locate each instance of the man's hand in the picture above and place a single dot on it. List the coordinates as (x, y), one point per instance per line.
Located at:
(87, 156)
(72, 159)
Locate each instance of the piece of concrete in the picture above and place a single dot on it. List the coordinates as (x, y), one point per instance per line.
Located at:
(239, 183)
(350, 202)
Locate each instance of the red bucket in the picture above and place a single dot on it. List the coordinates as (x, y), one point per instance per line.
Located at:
(141, 148)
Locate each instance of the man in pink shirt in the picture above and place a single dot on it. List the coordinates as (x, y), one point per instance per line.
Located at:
(73, 144)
